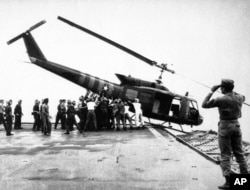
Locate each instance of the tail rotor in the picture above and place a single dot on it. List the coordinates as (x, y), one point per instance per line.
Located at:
(29, 30)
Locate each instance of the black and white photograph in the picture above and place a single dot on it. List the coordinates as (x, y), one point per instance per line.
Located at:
(128, 95)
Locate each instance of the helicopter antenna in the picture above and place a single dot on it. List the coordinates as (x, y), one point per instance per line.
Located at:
(163, 67)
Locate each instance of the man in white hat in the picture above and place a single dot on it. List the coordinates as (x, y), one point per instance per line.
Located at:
(230, 137)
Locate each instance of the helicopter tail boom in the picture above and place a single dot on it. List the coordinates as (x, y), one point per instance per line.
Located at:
(85, 80)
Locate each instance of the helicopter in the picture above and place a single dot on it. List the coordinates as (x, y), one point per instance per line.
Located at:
(157, 102)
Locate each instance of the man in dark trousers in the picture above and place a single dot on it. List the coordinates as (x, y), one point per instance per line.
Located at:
(36, 115)
(61, 114)
(230, 137)
(102, 118)
(71, 121)
(9, 117)
(2, 119)
(18, 115)
(2, 112)
(46, 117)
(91, 116)
(41, 119)
(81, 112)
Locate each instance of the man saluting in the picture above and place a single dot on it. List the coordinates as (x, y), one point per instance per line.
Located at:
(230, 137)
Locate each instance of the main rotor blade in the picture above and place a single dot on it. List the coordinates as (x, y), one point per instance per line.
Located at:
(129, 51)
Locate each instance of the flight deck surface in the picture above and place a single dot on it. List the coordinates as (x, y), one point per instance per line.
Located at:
(133, 159)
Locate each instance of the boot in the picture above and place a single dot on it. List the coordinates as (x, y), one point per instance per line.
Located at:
(226, 185)
(243, 168)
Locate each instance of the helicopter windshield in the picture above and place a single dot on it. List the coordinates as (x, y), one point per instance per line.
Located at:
(193, 104)
(193, 110)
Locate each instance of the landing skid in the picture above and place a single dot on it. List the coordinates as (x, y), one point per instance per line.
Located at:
(168, 127)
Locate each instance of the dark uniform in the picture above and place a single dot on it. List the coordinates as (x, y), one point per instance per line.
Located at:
(121, 115)
(36, 115)
(18, 115)
(230, 136)
(61, 114)
(71, 121)
(41, 120)
(9, 117)
(82, 113)
(45, 118)
(2, 113)
(103, 113)
(110, 117)
(2, 119)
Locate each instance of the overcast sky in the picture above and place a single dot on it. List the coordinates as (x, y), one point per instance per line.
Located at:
(203, 40)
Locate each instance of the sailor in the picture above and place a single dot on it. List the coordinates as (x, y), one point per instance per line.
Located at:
(91, 116)
(115, 115)
(138, 114)
(46, 117)
(41, 120)
(103, 112)
(71, 121)
(9, 117)
(110, 115)
(74, 121)
(1, 111)
(18, 115)
(70, 117)
(121, 113)
(230, 137)
(2, 120)
(81, 112)
(127, 115)
(61, 114)
(36, 115)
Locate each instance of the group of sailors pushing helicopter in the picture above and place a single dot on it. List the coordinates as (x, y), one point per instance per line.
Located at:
(95, 112)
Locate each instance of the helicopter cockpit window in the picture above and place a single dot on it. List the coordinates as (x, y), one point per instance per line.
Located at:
(193, 110)
(193, 104)
(175, 107)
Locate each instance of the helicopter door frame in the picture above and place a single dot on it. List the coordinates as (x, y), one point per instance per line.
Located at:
(175, 107)
(193, 114)
(184, 109)
(162, 103)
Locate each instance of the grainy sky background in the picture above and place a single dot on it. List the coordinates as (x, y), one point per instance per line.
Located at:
(203, 40)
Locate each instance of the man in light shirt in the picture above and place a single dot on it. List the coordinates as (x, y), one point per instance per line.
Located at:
(91, 116)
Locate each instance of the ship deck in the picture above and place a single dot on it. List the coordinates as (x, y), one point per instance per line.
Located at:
(132, 159)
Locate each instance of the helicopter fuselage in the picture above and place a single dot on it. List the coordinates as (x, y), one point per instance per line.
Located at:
(157, 102)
